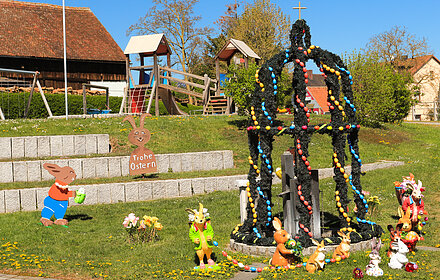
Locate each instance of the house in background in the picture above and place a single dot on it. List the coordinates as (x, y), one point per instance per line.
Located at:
(31, 38)
(317, 93)
(426, 73)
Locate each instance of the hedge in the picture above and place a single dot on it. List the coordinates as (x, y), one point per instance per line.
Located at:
(13, 105)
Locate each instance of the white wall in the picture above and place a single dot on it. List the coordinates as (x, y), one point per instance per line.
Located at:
(114, 88)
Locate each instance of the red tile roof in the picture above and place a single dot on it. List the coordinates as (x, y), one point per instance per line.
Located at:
(414, 64)
(320, 95)
(36, 30)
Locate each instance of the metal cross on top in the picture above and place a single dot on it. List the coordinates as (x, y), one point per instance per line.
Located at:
(299, 9)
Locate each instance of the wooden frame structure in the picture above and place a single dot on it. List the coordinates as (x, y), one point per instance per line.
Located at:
(84, 88)
(156, 45)
(35, 82)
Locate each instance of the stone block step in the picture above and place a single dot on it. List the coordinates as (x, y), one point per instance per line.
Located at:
(32, 199)
(108, 167)
(53, 146)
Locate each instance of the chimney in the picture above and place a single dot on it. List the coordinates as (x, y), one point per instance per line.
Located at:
(310, 73)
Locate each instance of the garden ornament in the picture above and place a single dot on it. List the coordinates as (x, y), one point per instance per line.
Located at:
(373, 268)
(142, 160)
(201, 234)
(408, 237)
(411, 267)
(394, 235)
(398, 259)
(358, 273)
(282, 257)
(317, 259)
(57, 201)
(409, 194)
(343, 249)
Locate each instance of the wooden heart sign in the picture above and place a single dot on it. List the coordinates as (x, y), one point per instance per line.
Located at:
(142, 160)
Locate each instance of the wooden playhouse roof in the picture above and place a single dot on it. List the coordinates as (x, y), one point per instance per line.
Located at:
(148, 45)
(36, 30)
(233, 46)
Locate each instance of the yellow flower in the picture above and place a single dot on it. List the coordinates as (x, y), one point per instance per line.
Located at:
(154, 219)
(148, 221)
(158, 226)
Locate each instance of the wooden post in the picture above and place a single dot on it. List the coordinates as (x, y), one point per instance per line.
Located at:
(288, 196)
(142, 72)
(291, 199)
(84, 100)
(26, 112)
(316, 216)
(107, 99)
(44, 99)
(156, 80)
(217, 69)
(246, 62)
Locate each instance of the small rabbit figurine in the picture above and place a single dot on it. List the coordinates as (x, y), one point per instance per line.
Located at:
(282, 257)
(57, 201)
(409, 194)
(317, 259)
(142, 160)
(394, 234)
(343, 250)
(405, 219)
(201, 234)
(398, 259)
(373, 268)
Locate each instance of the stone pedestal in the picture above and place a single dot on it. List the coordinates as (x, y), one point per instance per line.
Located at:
(241, 185)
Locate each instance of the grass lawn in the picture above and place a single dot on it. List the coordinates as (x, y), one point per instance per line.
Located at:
(95, 244)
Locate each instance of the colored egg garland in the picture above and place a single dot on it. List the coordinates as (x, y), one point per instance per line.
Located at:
(261, 130)
(259, 269)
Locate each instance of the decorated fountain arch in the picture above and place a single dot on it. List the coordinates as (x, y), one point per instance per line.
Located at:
(263, 126)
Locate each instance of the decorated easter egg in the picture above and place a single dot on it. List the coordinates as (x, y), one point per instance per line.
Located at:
(290, 244)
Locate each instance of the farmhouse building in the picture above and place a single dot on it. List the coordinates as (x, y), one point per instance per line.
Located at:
(317, 93)
(31, 38)
(426, 73)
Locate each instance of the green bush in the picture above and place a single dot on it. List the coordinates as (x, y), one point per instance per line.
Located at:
(241, 84)
(382, 94)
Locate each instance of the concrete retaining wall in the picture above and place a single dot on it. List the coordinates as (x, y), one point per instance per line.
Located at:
(58, 145)
(108, 167)
(32, 199)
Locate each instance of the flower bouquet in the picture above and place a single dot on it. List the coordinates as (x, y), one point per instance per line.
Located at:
(144, 230)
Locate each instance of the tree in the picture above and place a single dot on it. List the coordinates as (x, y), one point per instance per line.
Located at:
(241, 84)
(262, 26)
(176, 19)
(397, 44)
(205, 63)
(228, 20)
(382, 94)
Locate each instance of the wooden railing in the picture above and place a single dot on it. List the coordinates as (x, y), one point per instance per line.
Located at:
(209, 86)
(191, 84)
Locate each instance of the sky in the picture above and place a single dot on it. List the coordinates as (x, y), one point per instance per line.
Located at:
(339, 26)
